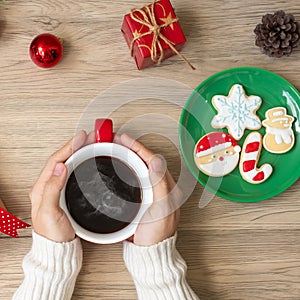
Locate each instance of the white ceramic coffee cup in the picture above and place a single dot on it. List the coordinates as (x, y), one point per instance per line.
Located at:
(127, 156)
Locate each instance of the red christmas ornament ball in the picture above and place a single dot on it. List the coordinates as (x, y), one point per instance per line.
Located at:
(46, 50)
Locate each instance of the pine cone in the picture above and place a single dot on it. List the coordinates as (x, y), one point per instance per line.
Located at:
(278, 34)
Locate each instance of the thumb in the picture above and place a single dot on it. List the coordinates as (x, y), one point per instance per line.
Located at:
(158, 177)
(54, 185)
(162, 185)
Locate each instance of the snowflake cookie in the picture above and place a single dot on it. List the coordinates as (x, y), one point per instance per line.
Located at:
(237, 111)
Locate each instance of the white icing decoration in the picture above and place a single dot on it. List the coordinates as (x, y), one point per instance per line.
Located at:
(277, 113)
(281, 135)
(219, 167)
(279, 119)
(218, 147)
(236, 111)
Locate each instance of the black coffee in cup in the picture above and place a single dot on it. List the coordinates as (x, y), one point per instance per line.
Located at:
(103, 194)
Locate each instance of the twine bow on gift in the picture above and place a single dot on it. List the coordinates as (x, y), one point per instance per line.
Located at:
(9, 224)
(149, 20)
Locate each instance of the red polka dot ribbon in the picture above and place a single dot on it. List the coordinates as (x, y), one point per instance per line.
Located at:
(9, 224)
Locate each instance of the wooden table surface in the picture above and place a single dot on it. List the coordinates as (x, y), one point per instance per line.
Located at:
(233, 251)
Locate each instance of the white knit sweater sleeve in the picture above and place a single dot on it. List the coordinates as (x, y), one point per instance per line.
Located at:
(50, 270)
(158, 271)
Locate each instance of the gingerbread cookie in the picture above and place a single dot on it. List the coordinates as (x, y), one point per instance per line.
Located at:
(216, 154)
(237, 111)
(249, 160)
(279, 137)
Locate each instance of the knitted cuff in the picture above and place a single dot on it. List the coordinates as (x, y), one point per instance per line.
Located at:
(158, 271)
(50, 269)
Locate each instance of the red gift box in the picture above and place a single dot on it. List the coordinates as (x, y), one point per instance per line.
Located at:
(153, 33)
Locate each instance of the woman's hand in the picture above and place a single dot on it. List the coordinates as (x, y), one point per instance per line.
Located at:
(48, 219)
(161, 219)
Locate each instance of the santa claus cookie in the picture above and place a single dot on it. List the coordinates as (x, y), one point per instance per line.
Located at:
(249, 160)
(279, 137)
(217, 154)
(236, 112)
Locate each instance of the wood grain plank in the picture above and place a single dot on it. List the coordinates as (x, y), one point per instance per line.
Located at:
(234, 251)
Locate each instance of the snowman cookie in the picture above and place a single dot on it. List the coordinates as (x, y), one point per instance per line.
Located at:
(216, 154)
(279, 137)
(236, 112)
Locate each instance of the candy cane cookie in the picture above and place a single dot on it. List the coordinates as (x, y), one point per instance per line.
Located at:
(249, 159)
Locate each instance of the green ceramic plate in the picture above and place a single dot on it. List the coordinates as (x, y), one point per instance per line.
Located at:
(198, 113)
